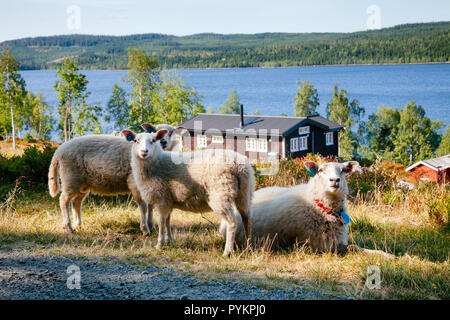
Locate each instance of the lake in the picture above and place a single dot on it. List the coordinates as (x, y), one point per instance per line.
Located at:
(272, 90)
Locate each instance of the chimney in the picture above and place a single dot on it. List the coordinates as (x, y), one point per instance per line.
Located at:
(242, 115)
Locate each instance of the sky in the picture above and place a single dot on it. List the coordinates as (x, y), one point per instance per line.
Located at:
(30, 18)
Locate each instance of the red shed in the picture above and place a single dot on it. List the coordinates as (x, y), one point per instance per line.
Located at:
(435, 170)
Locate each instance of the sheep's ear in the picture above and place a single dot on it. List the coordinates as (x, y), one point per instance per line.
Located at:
(311, 167)
(351, 166)
(129, 135)
(148, 127)
(179, 130)
(161, 134)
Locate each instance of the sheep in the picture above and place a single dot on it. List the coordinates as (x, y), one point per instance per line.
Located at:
(100, 164)
(194, 181)
(313, 213)
(170, 141)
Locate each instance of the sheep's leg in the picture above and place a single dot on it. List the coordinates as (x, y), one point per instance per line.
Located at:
(145, 211)
(168, 229)
(356, 248)
(231, 234)
(163, 218)
(226, 212)
(77, 203)
(143, 208)
(150, 223)
(246, 223)
(64, 203)
(342, 240)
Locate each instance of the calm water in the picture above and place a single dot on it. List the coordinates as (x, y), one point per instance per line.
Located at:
(272, 90)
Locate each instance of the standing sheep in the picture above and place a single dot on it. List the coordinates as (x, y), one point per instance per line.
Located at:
(217, 180)
(96, 163)
(170, 141)
(314, 212)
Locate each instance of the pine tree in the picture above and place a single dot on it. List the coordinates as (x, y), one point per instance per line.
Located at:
(347, 114)
(232, 104)
(306, 99)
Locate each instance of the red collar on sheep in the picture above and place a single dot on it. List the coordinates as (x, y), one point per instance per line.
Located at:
(341, 216)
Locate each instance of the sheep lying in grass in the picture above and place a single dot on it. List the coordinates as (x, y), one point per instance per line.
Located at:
(100, 164)
(217, 180)
(313, 213)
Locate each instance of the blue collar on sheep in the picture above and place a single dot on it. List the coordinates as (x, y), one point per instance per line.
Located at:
(312, 172)
(345, 217)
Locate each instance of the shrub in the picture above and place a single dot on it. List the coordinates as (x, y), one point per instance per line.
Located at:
(31, 167)
(29, 138)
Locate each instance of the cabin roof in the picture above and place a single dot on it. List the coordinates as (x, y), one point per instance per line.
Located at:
(226, 122)
(440, 163)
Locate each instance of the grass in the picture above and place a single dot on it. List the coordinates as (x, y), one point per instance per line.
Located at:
(31, 220)
(6, 149)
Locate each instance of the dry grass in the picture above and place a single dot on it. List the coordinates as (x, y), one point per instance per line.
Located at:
(420, 269)
(6, 148)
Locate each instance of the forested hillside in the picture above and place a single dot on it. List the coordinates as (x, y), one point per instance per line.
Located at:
(410, 43)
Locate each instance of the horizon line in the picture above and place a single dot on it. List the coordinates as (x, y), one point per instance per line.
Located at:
(221, 34)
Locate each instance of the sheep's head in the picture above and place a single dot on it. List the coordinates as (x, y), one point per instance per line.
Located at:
(169, 141)
(330, 177)
(146, 145)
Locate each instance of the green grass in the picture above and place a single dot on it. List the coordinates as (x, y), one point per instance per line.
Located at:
(31, 220)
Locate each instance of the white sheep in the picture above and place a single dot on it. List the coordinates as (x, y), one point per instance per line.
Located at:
(100, 164)
(217, 180)
(170, 142)
(116, 133)
(313, 213)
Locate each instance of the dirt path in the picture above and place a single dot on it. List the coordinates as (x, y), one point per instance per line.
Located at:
(26, 276)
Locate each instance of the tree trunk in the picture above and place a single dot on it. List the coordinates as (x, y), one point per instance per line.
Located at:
(13, 127)
(141, 104)
(65, 125)
(66, 122)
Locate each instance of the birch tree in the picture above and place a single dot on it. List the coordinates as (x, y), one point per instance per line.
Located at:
(12, 91)
(143, 76)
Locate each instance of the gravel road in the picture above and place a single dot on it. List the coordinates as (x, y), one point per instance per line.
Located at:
(27, 276)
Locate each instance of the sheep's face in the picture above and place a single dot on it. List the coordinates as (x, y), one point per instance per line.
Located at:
(169, 141)
(146, 145)
(331, 176)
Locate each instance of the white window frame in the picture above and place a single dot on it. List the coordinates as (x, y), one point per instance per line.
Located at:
(262, 145)
(303, 130)
(303, 143)
(329, 138)
(250, 144)
(216, 139)
(202, 141)
(294, 145)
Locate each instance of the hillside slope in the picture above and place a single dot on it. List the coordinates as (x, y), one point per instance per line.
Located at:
(426, 42)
